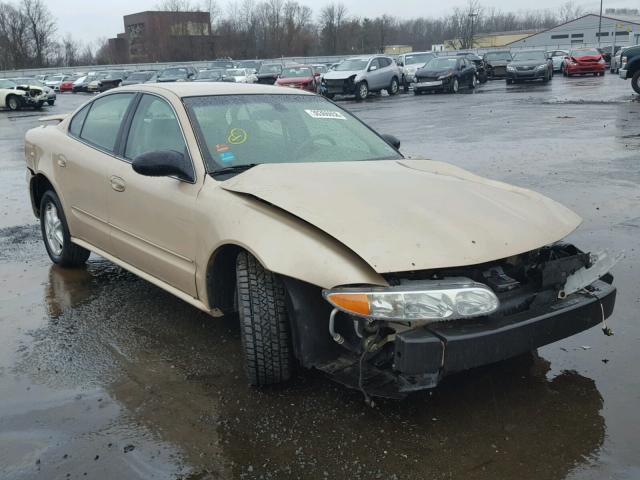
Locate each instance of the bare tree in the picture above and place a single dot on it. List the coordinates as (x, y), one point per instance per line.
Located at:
(41, 25)
(569, 11)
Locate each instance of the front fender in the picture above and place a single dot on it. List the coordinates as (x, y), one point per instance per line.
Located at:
(282, 243)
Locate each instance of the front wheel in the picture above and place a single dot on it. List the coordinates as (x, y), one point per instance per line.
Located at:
(635, 82)
(264, 323)
(455, 85)
(394, 87)
(362, 91)
(51, 102)
(56, 236)
(474, 81)
(13, 103)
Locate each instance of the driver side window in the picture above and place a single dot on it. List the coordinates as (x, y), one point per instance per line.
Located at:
(154, 128)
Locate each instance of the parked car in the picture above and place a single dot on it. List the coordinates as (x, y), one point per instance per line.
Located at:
(616, 60)
(409, 64)
(557, 57)
(82, 83)
(240, 75)
(606, 55)
(582, 61)
(269, 73)
(445, 74)
(252, 65)
(319, 70)
(630, 67)
(14, 96)
(529, 65)
(283, 207)
(138, 77)
(361, 75)
(216, 75)
(301, 76)
(54, 81)
(495, 63)
(107, 80)
(177, 74)
(222, 63)
(49, 92)
(481, 72)
(67, 85)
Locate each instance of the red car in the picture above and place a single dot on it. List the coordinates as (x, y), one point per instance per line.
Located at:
(299, 76)
(583, 60)
(67, 85)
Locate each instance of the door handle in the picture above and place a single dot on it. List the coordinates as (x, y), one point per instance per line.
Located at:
(117, 183)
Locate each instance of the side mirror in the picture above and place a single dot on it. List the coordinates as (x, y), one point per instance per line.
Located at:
(163, 163)
(372, 68)
(391, 140)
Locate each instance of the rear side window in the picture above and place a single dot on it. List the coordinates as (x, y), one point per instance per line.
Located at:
(104, 119)
(75, 127)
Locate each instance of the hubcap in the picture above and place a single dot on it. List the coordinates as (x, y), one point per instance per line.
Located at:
(455, 84)
(363, 90)
(13, 103)
(53, 229)
(394, 86)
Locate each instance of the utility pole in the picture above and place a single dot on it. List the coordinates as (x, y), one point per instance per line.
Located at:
(600, 25)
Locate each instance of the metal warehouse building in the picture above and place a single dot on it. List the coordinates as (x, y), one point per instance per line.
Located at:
(584, 31)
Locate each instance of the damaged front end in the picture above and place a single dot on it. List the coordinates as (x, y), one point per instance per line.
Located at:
(388, 341)
(33, 97)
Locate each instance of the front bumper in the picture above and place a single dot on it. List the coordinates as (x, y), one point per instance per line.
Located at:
(623, 73)
(534, 74)
(423, 356)
(588, 68)
(431, 84)
(339, 87)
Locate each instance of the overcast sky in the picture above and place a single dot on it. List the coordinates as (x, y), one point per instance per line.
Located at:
(93, 19)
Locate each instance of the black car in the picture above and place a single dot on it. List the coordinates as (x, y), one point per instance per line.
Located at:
(269, 73)
(446, 74)
(177, 74)
(481, 71)
(529, 65)
(82, 84)
(112, 79)
(138, 77)
(495, 63)
(630, 67)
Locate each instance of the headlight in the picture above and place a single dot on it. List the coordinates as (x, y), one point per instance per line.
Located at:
(542, 67)
(601, 61)
(433, 300)
(511, 68)
(624, 61)
(442, 77)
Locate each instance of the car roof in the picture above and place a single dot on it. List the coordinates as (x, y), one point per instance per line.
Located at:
(191, 89)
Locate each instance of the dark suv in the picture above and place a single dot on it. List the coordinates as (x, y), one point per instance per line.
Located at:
(630, 67)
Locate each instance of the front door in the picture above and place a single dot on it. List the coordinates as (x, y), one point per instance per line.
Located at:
(152, 218)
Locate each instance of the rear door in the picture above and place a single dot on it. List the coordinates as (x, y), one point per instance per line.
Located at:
(81, 164)
(373, 77)
(152, 218)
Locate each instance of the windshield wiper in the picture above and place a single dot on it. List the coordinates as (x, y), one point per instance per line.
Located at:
(233, 169)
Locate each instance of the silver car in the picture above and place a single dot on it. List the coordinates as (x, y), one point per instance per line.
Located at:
(361, 75)
(557, 56)
(614, 67)
(410, 63)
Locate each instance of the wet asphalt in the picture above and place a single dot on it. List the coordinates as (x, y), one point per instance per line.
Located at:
(105, 376)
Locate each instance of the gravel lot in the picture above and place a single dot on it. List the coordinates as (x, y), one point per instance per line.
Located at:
(105, 376)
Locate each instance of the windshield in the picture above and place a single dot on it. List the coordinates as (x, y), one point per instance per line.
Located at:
(236, 130)
(442, 63)
(174, 72)
(296, 72)
(418, 58)
(271, 68)
(498, 56)
(7, 84)
(236, 72)
(584, 52)
(529, 56)
(351, 65)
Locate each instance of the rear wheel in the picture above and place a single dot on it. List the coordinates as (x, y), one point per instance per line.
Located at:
(264, 323)
(455, 85)
(362, 90)
(13, 103)
(635, 82)
(56, 236)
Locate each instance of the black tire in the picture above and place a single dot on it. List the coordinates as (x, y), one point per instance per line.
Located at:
(417, 91)
(394, 88)
(635, 82)
(546, 78)
(71, 255)
(483, 78)
(455, 85)
(474, 82)
(508, 81)
(405, 84)
(264, 323)
(362, 90)
(13, 102)
(51, 102)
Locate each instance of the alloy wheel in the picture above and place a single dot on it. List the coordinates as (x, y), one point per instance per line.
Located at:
(54, 233)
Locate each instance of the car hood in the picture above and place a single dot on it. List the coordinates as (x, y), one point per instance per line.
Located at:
(401, 215)
(342, 75)
(429, 72)
(527, 63)
(498, 63)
